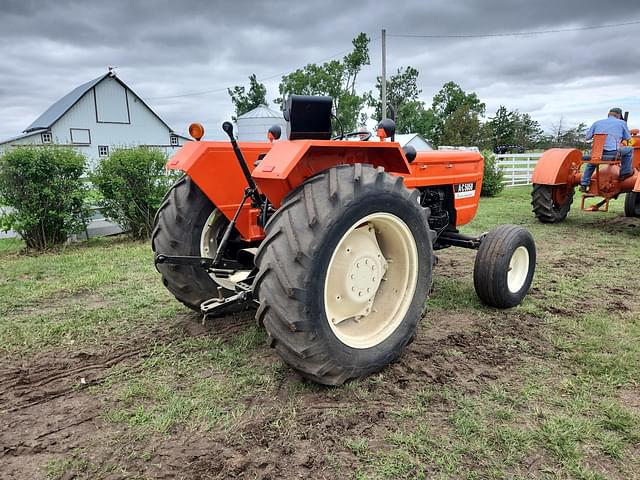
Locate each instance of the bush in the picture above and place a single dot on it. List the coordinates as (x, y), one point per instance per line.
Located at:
(492, 180)
(132, 183)
(44, 193)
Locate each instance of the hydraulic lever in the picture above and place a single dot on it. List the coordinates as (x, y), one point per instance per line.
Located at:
(255, 196)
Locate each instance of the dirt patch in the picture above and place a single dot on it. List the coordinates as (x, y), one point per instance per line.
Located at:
(45, 409)
(620, 224)
(297, 431)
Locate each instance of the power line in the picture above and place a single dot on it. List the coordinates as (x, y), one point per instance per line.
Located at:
(515, 34)
(220, 90)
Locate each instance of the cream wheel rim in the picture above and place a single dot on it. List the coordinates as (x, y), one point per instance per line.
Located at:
(518, 269)
(371, 280)
(208, 247)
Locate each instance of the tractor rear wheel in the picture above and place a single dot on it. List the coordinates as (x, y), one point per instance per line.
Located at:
(344, 273)
(551, 203)
(632, 204)
(189, 224)
(504, 266)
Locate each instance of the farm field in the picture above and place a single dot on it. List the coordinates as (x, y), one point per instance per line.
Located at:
(104, 375)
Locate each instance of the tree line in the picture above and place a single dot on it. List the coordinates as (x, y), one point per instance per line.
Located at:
(454, 117)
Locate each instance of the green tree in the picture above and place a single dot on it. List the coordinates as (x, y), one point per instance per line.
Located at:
(501, 128)
(453, 105)
(528, 132)
(413, 117)
(451, 97)
(461, 128)
(336, 78)
(246, 100)
(402, 88)
(511, 128)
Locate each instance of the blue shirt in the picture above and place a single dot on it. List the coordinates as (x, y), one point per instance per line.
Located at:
(615, 129)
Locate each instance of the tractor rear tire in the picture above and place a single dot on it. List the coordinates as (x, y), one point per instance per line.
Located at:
(545, 208)
(322, 251)
(504, 266)
(632, 204)
(178, 228)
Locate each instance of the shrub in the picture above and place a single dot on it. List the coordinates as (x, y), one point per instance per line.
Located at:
(44, 193)
(132, 183)
(492, 180)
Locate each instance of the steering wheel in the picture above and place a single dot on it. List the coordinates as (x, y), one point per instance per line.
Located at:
(367, 136)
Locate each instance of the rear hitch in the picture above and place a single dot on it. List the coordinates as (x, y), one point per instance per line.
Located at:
(215, 305)
(219, 267)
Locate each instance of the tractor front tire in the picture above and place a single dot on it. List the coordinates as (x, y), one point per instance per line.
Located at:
(178, 228)
(504, 266)
(632, 204)
(344, 273)
(546, 207)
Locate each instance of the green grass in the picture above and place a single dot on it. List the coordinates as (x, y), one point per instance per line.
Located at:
(556, 405)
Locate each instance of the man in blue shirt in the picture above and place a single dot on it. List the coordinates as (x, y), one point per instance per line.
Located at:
(616, 130)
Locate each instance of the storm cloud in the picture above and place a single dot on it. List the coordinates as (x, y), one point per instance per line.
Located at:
(181, 56)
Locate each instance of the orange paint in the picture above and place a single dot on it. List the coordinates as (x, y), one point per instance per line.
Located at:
(285, 165)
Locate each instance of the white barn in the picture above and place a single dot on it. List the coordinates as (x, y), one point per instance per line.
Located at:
(97, 117)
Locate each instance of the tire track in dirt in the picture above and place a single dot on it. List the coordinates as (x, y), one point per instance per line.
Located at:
(45, 410)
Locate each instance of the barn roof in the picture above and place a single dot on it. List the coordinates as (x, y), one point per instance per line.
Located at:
(262, 112)
(62, 106)
(23, 135)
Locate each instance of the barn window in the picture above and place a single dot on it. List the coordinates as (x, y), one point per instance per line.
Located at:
(80, 136)
(103, 151)
(173, 140)
(46, 137)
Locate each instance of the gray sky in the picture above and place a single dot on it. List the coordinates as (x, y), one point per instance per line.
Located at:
(164, 49)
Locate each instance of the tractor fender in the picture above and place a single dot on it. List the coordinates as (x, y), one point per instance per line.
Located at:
(289, 163)
(214, 168)
(636, 187)
(558, 166)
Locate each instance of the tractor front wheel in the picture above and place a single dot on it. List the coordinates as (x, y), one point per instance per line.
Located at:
(344, 273)
(551, 203)
(632, 204)
(504, 266)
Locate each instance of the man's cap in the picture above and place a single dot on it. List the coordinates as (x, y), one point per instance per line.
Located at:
(616, 110)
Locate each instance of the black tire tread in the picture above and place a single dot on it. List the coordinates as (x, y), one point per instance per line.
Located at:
(632, 204)
(486, 266)
(543, 207)
(283, 258)
(173, 235)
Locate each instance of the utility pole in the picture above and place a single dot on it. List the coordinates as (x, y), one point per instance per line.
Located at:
(384, 74)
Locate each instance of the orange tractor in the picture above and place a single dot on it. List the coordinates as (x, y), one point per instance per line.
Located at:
(333, 240)
(558, 173)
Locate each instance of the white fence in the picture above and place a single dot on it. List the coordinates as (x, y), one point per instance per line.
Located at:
(517, 167)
